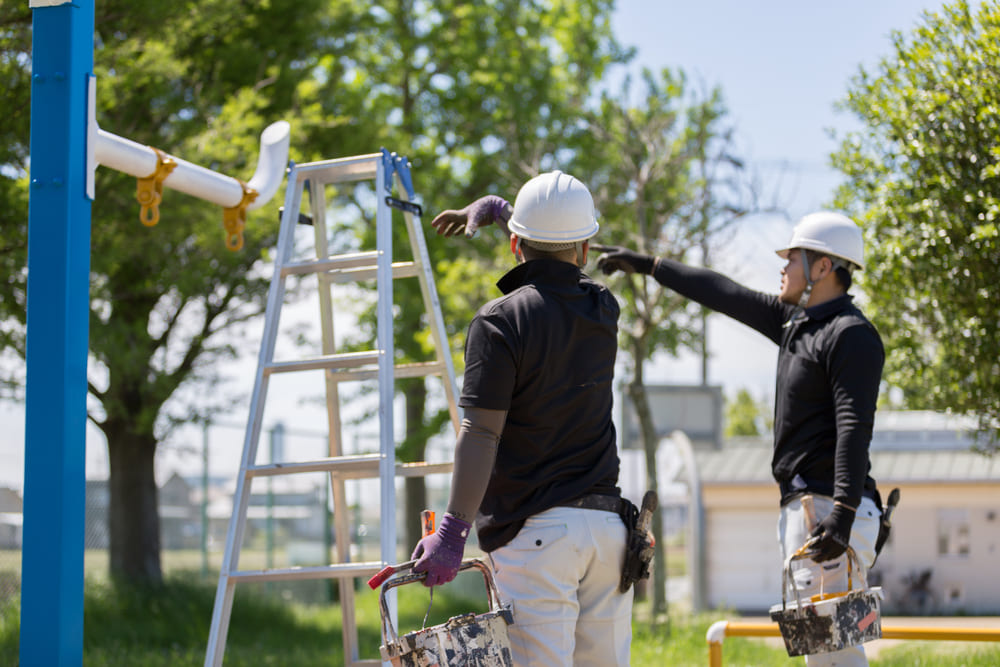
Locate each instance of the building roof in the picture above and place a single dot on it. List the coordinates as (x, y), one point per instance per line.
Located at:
(912, 446)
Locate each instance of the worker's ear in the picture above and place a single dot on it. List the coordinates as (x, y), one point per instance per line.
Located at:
(828, 266)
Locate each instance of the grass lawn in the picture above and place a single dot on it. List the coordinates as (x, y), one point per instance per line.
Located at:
(168, 626)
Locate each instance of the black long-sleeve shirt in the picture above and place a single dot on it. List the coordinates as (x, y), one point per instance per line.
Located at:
(829, 368)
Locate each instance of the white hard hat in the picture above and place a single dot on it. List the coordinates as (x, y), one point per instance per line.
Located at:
(554, 208)
(828, 233)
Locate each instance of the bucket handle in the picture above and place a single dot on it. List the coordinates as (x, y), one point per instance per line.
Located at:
(389, 635)
(800, 554)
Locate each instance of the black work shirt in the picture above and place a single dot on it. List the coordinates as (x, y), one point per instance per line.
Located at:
(545, 353)
(830, 362)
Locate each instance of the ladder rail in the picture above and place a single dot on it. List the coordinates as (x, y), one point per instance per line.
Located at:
(335, 447)
(222, 609)
(432, 305)
(386, 368)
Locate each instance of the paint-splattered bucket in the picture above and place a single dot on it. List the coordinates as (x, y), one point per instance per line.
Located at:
(829, 622)
(478, 640)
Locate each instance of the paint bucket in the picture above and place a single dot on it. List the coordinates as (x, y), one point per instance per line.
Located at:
(827, 622)
(478, 640)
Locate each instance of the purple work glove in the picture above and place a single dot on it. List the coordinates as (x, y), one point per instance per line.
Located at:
(484, 211)
(616, 258)
(440, 553)
(833, 533)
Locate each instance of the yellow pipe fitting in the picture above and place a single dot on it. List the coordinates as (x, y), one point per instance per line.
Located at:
(149, 190)
(234, 219)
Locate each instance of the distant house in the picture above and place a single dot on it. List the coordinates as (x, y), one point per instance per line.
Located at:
(180, 518)
(11, 518)
(945, 546)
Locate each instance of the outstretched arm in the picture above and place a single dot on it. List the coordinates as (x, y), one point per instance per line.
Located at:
(757, 310)
(484, 211)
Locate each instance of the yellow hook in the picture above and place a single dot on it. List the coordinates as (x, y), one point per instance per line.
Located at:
(234, 219)
(149, 190)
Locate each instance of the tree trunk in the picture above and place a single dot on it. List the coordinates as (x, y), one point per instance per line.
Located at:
(134, 517)
(650, 444)
(414, 488)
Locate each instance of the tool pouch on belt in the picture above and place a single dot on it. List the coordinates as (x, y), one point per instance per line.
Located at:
(885, 523)
(639, 543)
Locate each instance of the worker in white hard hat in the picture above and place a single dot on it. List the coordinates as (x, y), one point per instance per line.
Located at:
(829, 369)
(536, 462)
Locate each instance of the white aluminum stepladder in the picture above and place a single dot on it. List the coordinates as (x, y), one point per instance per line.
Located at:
(339, 367)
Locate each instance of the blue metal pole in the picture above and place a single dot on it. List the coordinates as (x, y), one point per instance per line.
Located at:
(58, 306)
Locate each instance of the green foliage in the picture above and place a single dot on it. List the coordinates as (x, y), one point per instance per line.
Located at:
(744, 415)
(923, 177)
(15, 49)
(464, 90)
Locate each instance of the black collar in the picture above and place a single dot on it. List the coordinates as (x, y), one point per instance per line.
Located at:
(549, 271)
(829, 308)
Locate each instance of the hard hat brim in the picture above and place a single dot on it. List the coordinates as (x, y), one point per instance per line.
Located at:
(784, 252)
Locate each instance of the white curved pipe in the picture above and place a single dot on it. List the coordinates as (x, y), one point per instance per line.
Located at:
(138, 160)
(717, 632)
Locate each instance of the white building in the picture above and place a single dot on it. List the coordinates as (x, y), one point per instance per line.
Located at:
(945, 546)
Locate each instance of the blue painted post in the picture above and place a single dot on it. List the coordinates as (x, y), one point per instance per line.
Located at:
(58, 306)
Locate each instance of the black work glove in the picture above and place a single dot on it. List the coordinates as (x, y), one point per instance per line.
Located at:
(833, 534)
(616, 258)
(484, 211)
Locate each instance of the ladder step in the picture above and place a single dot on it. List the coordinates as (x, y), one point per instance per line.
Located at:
(373, 662)
(344, 466)
(351, 267)
(335, 571)
(348, 261)
(340, 170)
(419, 369)
(326, 361)
(353, 364)
(399, 270)
(361, 466)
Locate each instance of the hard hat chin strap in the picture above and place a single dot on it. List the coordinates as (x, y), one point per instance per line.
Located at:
(807, 292)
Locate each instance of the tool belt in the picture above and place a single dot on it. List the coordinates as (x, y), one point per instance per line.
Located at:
(597, 501)
(639, 543)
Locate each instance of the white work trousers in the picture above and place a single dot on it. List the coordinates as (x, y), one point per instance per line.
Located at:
(830, 576)
(561, 572)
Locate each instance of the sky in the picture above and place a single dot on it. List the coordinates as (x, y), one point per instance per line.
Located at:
(781, 66)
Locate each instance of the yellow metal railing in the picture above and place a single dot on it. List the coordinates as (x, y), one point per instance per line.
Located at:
(722, 629)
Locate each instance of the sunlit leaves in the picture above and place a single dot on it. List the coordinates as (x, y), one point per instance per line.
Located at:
(922, 177)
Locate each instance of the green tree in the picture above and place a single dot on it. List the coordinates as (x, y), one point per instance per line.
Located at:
(199, 80)
(15, 48)
(743, 415)
(462, 89)
(923, 178)
(666, 183)
(474, 103)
